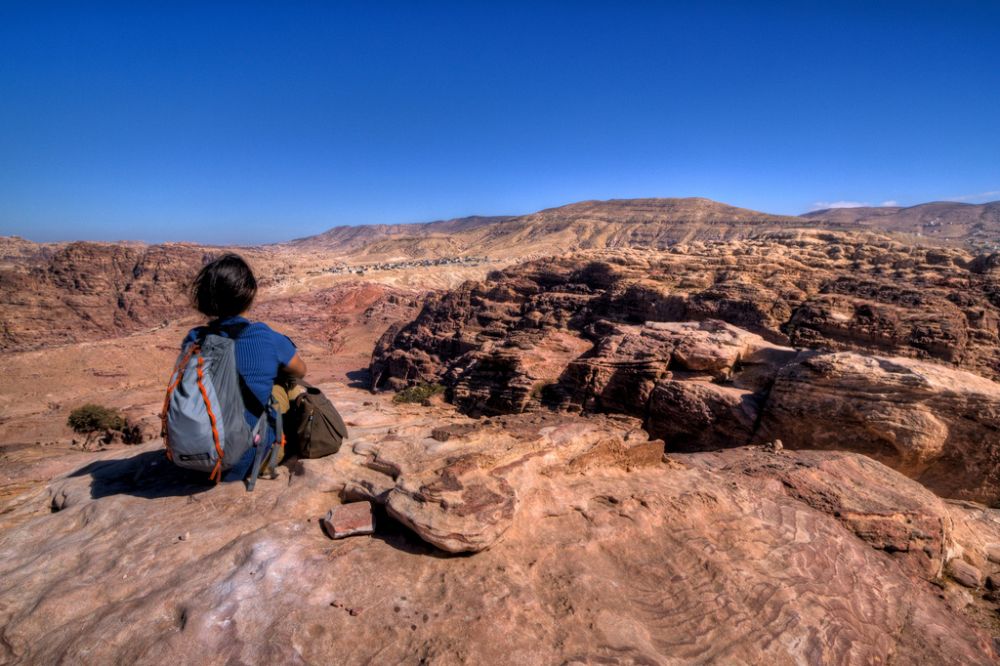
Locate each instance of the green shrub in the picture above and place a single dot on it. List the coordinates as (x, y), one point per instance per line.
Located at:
(418, 393)
(539, 390)
(90, 418)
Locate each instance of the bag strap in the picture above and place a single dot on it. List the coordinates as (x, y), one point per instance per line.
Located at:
(233, 331)
(279, 441)
(261, 449)
(257, 438)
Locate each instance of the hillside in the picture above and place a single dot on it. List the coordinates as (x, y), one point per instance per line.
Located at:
(974, 225)
(351, 238)
(579, 226)
(57, 293)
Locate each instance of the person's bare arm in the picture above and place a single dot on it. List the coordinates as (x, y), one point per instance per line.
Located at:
(296, 367)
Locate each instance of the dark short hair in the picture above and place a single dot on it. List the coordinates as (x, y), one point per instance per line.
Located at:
(224, 287)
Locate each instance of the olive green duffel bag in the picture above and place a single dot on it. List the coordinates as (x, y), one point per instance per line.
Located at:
(313, 425)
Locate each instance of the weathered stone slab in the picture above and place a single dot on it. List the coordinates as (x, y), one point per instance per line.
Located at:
(347, 520)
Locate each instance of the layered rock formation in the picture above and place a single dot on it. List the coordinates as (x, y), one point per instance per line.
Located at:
(615, 483)
(596, 549)
(583, 225)
(85, 291)
(79, 292)
(733, 343)
(70, 292)
(973, 225)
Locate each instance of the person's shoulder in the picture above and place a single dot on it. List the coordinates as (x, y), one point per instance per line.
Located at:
(193, 335)
(259, 329)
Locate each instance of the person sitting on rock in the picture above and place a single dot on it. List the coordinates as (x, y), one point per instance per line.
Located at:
(267, 361)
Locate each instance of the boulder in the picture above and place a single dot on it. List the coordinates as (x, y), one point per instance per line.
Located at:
(352, 519)
(938, 425)
(965, 573)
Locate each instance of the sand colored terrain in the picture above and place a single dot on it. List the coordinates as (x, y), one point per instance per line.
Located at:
(976, 226)
(606, 484)
(606, 557)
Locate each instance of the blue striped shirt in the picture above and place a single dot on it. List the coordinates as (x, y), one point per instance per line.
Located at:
(260, 353)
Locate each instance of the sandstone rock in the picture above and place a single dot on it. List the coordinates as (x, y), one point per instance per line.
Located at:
(965, 574)
(934, 423)
(85, 290)
(697, 415)
(886, 510)
(749, 563)
(993, 553)
(706, 384)
(820, 290)
(590, 545)
(958, 598)
(462, 494)
(349, 520)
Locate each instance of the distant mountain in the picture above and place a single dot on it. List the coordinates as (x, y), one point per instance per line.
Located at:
(974, 225)
(64, 292)
(585, 225)
(349, 238)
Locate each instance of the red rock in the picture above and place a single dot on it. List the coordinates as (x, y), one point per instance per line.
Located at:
(687, 341)
(965, 574)
(586, 543)
(352, 519)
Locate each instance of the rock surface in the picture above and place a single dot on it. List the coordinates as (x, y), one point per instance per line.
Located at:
(354, 519)
(965, 574)
(819, 290)
(612, 554)
(933, 423)
(86, 291)
(78, 292)
(551, 527)
(975, 225)
(694, 345)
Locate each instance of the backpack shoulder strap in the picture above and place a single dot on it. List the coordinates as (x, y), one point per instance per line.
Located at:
(233, 331)
(265, 450)
(258, 437)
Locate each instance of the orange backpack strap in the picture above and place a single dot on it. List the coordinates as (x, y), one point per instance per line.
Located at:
(217, 470)
(177, 375)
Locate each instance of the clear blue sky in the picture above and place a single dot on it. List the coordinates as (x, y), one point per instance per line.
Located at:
(244, 122)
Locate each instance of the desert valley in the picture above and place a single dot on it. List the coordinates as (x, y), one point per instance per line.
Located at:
(668, 431)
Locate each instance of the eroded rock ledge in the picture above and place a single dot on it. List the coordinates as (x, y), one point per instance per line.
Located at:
(593, 547)
(812, 339)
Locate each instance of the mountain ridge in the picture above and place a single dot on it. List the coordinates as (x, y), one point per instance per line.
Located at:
(682, 219)
(977, 226)
(591, 224)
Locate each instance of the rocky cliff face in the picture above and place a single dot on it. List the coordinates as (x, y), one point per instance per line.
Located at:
(820, 340)
(84, 291)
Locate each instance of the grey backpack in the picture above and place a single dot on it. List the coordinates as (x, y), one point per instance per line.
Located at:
(203, 424)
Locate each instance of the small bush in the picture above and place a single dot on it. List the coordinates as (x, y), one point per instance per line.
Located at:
(418, 393)
(90, 418)
(538, 391)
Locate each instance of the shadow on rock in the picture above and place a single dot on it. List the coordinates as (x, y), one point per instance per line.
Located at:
(360, 379)
(148, 475)
(397, 535)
